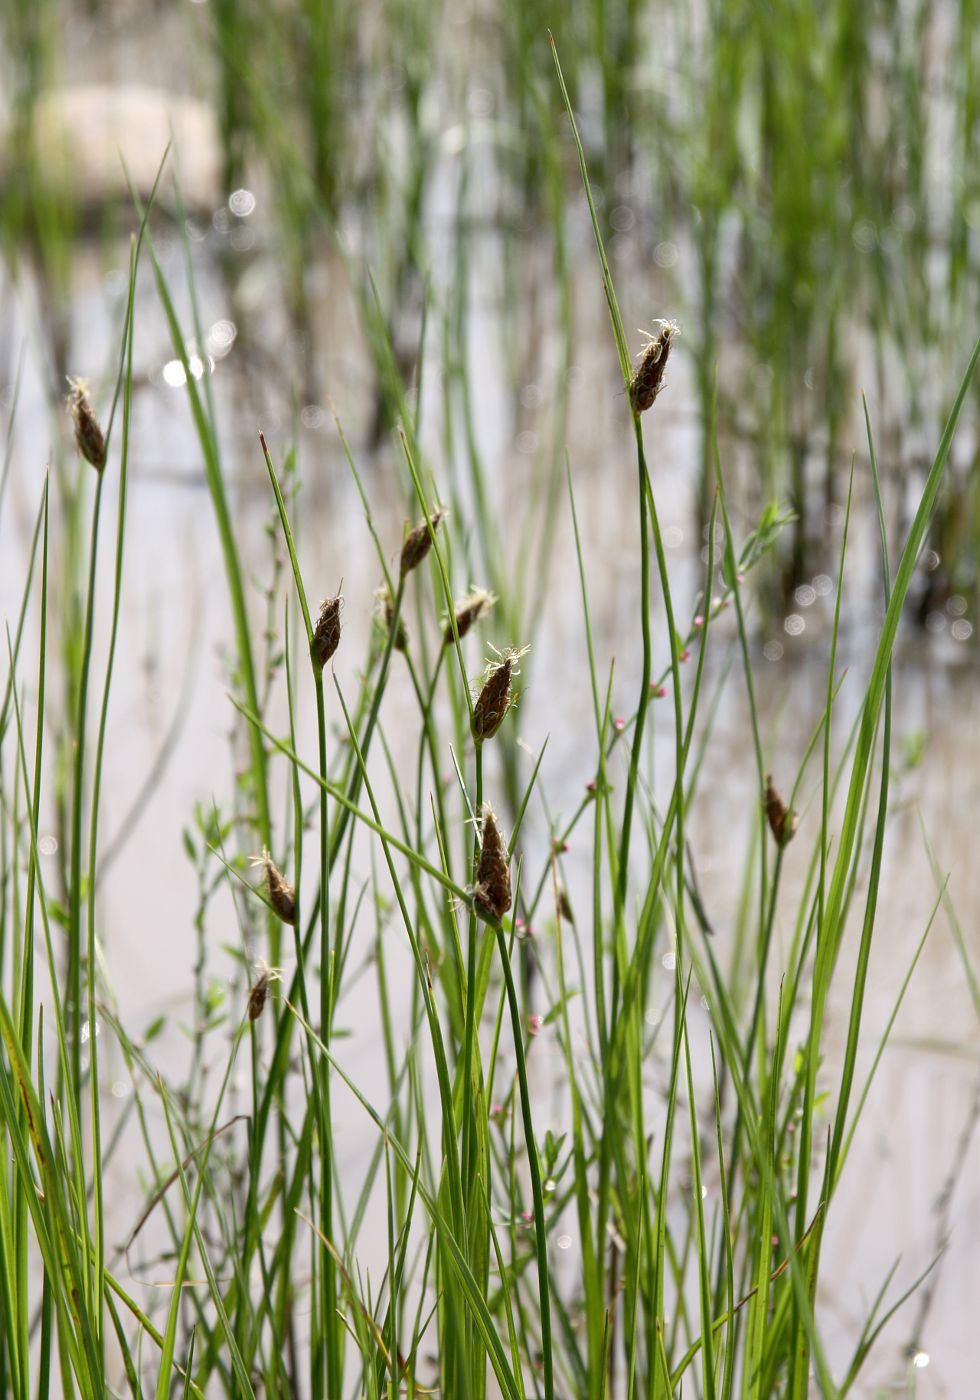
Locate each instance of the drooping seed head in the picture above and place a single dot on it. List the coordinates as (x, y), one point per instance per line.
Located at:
(282, 896)
(88, 435)
(491, 892)
(782, 822)
(468, 611)
(495, 698)
(648, 377)
(326, 633)
(385, 615)
(418, 542)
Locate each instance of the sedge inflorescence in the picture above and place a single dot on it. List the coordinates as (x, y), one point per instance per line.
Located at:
(259, 990)
(281, 894)
(648, 377)
(496, 695)
(782, 821)
(326, 633)
(491, 892)
(418, 542)
(89, 438)
(467, 612)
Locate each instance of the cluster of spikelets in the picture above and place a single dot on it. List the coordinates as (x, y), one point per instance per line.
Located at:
(491, 890)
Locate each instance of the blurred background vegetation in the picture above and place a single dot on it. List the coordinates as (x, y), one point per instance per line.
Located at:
(796, 183)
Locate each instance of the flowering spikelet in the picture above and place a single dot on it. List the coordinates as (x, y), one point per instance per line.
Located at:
(282, 896)
(326, 633)
(418, 542)
(386, 615)
(782, 822)
(468, 611)
(259, 990)
(88, 434)
(648, 377)
(491, 893)
(494, 699)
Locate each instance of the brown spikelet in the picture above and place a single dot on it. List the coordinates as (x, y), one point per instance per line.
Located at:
(494, 699)
(418, 542)
(326, 633)
(648, 377)
(259, 990)
(282, 896)
(468, 611)
(88, 435)
(386, 615)
(491, 893)
(782, 822)
(256, 997)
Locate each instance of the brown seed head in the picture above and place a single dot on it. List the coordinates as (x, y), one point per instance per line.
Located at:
(418, 542)
(88, 434)
(491, 893)
(782, 822)
(282, 896)
(386, 615)
(494, 699)
(326, 633)
(259, 990)
(648, 377)
(468, 611)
